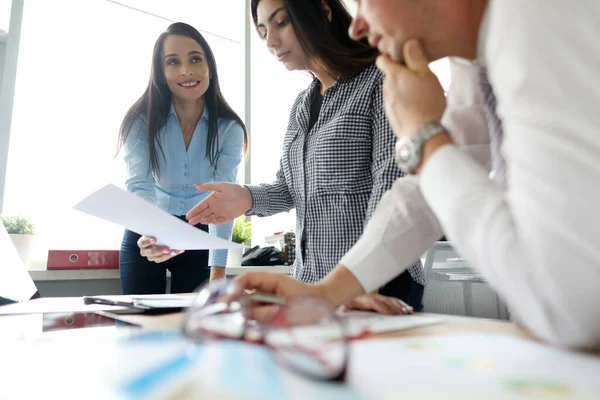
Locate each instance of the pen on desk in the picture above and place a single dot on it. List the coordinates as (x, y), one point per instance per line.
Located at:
(108, 302)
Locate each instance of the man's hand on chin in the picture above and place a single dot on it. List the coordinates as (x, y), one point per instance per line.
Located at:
(412, 93)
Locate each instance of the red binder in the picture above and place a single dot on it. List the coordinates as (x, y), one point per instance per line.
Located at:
(83, 259)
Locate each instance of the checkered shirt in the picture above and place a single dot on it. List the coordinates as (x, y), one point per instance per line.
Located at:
(337, 182)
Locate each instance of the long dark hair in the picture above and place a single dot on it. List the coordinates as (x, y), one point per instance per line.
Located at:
(328, 42)
(155, 103)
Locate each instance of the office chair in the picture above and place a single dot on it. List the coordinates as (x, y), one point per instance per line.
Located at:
(454, 287)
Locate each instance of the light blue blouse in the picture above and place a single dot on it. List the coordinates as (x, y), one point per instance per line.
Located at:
(173, 190)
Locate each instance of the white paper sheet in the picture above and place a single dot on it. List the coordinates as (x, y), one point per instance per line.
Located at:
(54, 305)
(357, 325)
(475, 366)
(136, 214)
(360, 321)
(15, 281)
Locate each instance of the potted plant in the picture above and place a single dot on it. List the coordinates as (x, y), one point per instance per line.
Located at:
(22, 233)
(241, 233)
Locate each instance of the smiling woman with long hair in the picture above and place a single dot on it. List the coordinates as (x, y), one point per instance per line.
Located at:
(180, 132)
(338, 152)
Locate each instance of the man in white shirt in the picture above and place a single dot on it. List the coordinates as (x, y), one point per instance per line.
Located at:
(536, 237)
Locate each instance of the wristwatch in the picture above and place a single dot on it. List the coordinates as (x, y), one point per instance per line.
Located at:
(409, 149)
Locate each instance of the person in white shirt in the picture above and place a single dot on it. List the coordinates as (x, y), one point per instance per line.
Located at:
(535, 237)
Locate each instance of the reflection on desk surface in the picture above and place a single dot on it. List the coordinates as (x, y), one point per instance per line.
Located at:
(31, 326)
(152, 365)
(61, 321)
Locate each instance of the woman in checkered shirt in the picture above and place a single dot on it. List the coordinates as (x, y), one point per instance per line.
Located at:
(338, 153)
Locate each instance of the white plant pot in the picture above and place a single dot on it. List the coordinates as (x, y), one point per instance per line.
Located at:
(234, 258)
(24, 246)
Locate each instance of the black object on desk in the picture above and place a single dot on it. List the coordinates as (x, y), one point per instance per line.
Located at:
(132, 307)
(262, 256)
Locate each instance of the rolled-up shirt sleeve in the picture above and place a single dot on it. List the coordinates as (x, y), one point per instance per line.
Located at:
(271, 198)
(403, 225)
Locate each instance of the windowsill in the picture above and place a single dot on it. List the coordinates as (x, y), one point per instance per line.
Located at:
(38, 271)
(42, 274)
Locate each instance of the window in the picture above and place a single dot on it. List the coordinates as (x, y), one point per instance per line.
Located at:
(274, 90)
(76, 78)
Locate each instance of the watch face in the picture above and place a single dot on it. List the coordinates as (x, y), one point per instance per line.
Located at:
(409, 148)
(406, 153)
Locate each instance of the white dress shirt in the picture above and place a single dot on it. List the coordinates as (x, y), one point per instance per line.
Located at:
(538, 241)
(403, 226)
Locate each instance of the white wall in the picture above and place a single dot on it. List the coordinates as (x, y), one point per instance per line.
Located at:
(2, 50)
(9, 51)
(4, 134)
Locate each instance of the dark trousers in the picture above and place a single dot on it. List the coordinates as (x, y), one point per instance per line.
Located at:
(406, 289)
(140, 276)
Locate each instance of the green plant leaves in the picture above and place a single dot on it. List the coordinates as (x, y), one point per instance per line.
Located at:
(18, 225)
(242, 230)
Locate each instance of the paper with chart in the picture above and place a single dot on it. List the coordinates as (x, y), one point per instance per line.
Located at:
(474, 366)
(123, 208)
